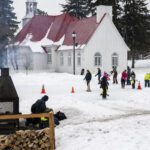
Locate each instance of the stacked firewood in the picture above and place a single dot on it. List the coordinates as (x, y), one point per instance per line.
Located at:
(26, 140)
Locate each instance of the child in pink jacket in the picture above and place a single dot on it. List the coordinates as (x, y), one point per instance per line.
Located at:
(123, 78)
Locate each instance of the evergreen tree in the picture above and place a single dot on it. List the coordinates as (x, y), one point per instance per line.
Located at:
(8, 26)
(41, 12)
(77, 8)
(136, 26)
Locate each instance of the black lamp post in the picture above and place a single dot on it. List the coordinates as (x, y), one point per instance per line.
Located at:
(74, 44)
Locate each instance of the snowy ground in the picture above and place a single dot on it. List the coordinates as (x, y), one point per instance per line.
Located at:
(120, 122)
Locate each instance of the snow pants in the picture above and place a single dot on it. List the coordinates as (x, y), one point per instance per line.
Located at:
(88, 86)
(147, 83)
(123, 83)
(133, 84)
(115, 80)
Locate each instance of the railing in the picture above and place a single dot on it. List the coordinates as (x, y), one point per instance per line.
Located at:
(51, 123)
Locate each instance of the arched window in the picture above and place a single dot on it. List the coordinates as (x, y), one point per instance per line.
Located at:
(115, 60)
(97, 59)
(61, 59)
(79, 59)
(69, 59)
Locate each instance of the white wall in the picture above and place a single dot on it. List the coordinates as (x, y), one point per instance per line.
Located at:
(39, 61)
(106, 40)
(69, 68)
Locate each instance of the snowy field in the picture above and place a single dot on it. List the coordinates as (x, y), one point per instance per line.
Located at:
(122, 122)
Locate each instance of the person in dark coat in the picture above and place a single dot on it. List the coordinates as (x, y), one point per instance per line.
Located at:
(88, 78)
(128, 75)
(82, 72)
(133, 74)
(40, 105)
(104, 85)
(99, 75)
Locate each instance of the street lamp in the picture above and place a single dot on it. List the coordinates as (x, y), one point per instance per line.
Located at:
(74, 44)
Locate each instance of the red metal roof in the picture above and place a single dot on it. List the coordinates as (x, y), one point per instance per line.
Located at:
(60, 25)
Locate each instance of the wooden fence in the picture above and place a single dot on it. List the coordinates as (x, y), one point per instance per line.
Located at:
(51, 123)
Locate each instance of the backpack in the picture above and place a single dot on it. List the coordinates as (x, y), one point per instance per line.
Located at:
(60, 116)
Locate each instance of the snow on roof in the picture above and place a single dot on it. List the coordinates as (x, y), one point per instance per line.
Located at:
(31, 0)
(57, 30)
(65, 47)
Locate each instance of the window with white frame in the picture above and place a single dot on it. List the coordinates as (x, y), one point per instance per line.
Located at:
(49, 57)
(97, 59)
(114, 60)
(69, 59)
(61, 59)
(79, 59)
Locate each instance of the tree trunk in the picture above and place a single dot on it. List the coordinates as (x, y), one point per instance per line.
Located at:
(133, 62)
(133, 59)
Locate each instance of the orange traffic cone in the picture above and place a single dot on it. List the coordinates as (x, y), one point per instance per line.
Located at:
(72, 91)
(43, 90)
(139, 86)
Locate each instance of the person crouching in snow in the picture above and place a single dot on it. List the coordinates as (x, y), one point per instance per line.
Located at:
(123, 78)
(104, 85)
(88, 78)
(98, 74)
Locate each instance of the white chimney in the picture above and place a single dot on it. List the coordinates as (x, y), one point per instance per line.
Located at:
(101, 10)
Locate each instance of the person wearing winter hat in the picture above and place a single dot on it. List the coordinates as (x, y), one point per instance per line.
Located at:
(123, 78)
(40, 105)
(104, 85)
(88, 78)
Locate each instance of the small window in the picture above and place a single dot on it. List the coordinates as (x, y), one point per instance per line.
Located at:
(97, 59)
(49, 57)
(114, 60)
(69, 59)
(61, 59)
(79, 59)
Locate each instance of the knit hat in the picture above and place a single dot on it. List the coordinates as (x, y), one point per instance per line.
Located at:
(45, 98)
(105, 74)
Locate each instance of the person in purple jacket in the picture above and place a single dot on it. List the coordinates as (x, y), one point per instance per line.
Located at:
(123, 78)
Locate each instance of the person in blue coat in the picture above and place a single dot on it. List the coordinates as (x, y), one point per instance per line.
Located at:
(99, 73)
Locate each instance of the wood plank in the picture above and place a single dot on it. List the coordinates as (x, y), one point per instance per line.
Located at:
(24, 116)
(52, 133)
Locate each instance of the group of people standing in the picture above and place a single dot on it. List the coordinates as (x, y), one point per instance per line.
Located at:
(127, 78)
(102, 81)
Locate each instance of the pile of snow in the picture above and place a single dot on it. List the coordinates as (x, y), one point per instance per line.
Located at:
(121, 121)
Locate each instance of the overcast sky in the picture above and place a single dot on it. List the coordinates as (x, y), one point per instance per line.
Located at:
(52, 7)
